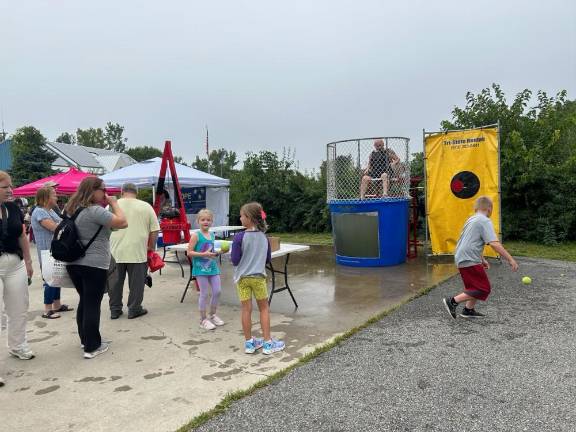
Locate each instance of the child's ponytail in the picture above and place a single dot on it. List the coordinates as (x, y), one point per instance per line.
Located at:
(255, 213)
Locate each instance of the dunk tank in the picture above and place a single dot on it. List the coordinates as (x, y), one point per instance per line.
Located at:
(368, 182)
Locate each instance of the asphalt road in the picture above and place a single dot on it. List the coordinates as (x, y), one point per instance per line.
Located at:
(418, 370)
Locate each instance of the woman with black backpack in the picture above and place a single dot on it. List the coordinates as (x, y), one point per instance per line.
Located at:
(88, 273)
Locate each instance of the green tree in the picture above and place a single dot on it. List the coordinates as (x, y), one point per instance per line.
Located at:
(180, 160)
(143, 153)
(30, 159)
(201, 164)
(66, 138)
(538, 160)
(417, 166)
(92, 137)
(293, 201)
(221, 162)
(113, 137)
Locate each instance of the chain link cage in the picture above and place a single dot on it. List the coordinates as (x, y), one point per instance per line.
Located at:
(368, 169)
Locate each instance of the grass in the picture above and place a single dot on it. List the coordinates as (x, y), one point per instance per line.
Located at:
(230, 398)
(322, 239)
(561, 251)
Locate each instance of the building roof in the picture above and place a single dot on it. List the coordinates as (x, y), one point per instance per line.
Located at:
(86, 158)
(114, 161)
(89, 157)
(74, 155)
(98, 151)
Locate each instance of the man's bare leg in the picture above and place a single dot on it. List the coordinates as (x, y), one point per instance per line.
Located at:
(364, 186)
(384, 177)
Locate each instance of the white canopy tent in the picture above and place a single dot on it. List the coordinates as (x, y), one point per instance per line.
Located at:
(145, 175)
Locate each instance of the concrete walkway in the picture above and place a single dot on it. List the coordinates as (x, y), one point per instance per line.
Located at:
(162, 370)
(418, 370)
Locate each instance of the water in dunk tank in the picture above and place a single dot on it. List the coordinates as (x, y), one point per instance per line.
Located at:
(368, 195)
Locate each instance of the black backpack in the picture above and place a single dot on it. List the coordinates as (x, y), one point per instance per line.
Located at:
(66, 245)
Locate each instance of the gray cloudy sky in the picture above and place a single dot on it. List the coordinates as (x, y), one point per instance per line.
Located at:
(268, 74)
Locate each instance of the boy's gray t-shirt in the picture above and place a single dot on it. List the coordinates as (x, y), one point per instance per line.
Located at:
(478, 231)
(88, 221)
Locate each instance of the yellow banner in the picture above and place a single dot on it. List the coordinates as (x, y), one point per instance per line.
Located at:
(460, 167)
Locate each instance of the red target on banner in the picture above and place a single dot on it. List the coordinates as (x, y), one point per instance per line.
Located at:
(465, 184)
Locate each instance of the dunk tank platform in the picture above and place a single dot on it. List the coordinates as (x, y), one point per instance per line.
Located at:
(368, 195)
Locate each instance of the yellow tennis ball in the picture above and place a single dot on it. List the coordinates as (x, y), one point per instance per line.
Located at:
(225, 246)
(526, 280)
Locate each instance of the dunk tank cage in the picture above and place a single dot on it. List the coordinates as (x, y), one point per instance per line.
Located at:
(368, 195)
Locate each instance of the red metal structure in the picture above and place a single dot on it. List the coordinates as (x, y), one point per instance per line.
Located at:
(171, 228)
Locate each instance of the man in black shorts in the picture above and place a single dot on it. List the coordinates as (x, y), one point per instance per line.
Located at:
(381, 165)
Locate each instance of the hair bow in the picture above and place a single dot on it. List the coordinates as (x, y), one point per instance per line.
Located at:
(263, 214)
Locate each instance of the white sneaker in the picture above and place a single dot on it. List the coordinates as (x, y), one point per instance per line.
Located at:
(22, 353)
(101, 350)
(216, 320)
(106, 341)
(206, 324)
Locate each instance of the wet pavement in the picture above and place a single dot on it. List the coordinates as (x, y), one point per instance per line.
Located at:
(417, 369)
(162, 369)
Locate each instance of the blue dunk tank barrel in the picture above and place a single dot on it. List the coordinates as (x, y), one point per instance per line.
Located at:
(368, 196)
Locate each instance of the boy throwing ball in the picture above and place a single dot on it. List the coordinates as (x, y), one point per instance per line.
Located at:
(477, 232)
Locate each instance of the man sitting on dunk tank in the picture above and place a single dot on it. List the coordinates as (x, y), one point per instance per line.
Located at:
(383, 162)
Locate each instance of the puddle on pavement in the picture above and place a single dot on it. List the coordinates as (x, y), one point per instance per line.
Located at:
(91, 379)
(156, 338)
(47, 390)
(224, 376)
(157, 374)
(195, 342)
(123, 388)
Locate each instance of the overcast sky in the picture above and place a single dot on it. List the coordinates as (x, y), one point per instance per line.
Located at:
(269, 74)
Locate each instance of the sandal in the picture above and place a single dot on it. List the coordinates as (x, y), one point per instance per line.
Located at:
(51, 315)
(64, 308)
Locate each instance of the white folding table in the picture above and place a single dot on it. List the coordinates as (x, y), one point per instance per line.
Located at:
(286, 249)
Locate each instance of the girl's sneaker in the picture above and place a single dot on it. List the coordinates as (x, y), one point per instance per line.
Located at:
(206, 324)
(216, 320)
(254, 344)
(272, 346)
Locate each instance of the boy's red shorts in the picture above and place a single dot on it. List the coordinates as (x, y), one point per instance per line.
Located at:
(476, 283)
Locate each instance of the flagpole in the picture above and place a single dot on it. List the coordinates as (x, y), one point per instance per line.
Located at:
(207, 150)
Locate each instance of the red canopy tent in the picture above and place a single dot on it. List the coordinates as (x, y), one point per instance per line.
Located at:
(67, 183)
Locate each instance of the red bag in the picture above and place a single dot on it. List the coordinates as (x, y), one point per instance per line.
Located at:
(154, 261)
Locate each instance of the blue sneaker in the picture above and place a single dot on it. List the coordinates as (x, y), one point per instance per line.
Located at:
(273, 346)
(252, 345)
